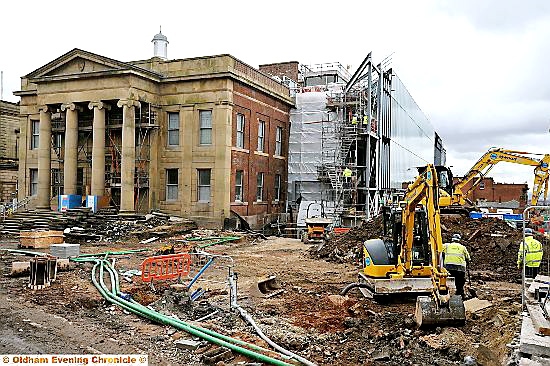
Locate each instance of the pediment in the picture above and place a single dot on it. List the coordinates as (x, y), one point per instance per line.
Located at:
(78, 62)
(79, 65)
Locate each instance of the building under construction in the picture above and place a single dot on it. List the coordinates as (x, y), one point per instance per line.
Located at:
(355, 138)
(204, 137)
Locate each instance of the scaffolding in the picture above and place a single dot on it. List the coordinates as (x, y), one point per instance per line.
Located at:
(146, 124)
(351, 115)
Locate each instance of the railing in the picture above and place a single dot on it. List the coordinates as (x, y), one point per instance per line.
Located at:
(6, 210)
(260, 78)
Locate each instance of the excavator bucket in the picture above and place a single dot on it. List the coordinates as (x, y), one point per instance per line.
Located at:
(266, 287)
(428, 314)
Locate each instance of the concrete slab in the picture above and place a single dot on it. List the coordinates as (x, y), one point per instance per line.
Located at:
(475, 305)
(187, 344)
(530, 342)
(540, 323)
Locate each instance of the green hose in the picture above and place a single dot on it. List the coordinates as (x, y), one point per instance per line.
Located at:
(81, 256)
(114, 278)
(157, 317)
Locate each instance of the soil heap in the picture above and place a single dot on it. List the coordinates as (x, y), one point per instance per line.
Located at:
(492, 244)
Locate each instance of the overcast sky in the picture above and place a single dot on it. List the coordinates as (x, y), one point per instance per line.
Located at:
(476, 68)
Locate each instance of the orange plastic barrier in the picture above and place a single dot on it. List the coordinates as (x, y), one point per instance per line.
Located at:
(165, 267)
(340, 230)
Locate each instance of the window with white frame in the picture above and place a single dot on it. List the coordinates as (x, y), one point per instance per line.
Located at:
(260, 187)
(204, 185)
(35, 133)
(173, 128)
(171, 184)
(482, 185)
(205, 134)
(261, 135)
(277, 187)
(279, 141)
(239, 186)
(240, 130)
(33, 173)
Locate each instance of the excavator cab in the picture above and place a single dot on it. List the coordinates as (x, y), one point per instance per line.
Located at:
(392, 238)
(444, 178)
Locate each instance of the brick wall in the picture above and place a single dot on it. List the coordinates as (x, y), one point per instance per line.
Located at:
(492, 191)
(288, 69)
(257, 107)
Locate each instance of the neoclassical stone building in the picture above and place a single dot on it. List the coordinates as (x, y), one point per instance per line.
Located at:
(197, 137)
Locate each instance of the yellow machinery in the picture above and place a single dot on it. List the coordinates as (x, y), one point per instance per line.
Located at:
(408, 259)
(457, 194)
(317, 229)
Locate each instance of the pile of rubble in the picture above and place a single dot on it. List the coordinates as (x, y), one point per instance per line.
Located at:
(492, 243)
(113, 227)
(348, 247)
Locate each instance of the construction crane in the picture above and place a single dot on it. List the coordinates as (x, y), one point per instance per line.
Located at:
(457, 194)
(408, 258)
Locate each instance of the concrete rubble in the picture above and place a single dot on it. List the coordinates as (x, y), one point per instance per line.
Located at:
(309, 317)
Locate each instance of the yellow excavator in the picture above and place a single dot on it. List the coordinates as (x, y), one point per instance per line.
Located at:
(408, 258)
(457, 194)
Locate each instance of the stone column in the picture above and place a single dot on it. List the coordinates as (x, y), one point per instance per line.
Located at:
(44, 158)
(128, 163)
(70, 158)
(98, 148)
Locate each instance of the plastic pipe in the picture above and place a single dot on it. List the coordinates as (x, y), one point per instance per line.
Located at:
(114, 279)
(25, 252)
(109, 253)
(200, 272)
(155, 316)
(251, 321)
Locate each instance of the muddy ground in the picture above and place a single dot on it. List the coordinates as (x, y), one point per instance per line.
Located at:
(308, 317)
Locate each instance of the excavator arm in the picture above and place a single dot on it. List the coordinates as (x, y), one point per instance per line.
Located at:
(484, 165)
(425, 190)
(417, 265)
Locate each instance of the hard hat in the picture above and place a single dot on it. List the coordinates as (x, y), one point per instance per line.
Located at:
(456, 237)
(528, 231)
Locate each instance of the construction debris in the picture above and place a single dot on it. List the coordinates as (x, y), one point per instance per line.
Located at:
(492, 255)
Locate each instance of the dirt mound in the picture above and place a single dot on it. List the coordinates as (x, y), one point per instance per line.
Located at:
(492, 243)
(347, 247)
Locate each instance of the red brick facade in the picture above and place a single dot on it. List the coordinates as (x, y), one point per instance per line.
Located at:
(489, 190)
(256, 107)
(288, 69)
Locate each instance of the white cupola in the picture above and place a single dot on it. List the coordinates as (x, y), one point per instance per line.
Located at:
(160, 44)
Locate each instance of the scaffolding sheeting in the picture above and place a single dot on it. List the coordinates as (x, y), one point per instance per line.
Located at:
(305, 145)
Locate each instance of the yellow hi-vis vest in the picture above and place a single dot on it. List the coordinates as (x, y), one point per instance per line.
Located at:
(533, 252)
(347, 173)
(456, 253)
(354, 120)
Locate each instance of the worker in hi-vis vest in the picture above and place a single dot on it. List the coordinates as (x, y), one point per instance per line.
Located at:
(533, 254)
(456, 258)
